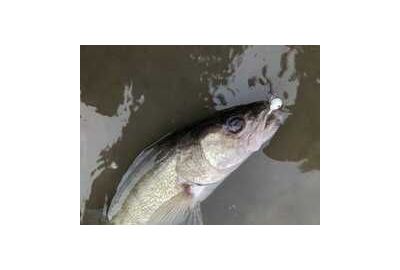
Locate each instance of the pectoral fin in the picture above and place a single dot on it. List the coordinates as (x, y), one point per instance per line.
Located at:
(195, 217)
(178, 211)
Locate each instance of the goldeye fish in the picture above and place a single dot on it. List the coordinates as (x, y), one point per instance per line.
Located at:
(167, 182)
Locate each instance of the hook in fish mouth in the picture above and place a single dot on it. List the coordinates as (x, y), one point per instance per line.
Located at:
(274, 112)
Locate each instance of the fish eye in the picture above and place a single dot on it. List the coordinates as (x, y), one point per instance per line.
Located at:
(235, 124)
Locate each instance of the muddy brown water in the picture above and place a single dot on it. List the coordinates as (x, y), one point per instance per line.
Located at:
(133, 95)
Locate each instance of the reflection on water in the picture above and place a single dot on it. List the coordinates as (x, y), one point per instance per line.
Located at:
(255, 64)
(266, 191)
(98, 134)
(133, 95)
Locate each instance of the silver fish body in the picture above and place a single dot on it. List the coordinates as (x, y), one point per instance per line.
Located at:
(167, 182)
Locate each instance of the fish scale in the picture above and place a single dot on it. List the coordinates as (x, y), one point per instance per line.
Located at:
(150, 193)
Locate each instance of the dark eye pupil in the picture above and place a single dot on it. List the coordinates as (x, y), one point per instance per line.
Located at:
(235, 124)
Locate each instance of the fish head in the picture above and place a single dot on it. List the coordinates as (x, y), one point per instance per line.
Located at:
(238, 132)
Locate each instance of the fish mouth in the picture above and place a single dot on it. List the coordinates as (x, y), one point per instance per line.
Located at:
(267, 117)
(277, 118)
(271, 124)
(268, 123)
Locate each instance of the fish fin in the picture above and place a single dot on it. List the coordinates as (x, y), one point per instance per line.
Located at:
(176, 211)
(140, 166)
(195, 217)
(104, 211)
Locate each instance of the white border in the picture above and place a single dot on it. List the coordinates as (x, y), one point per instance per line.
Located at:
(40, 90)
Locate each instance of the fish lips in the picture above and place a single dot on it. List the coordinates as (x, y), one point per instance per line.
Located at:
(273, 122)
(277, 117)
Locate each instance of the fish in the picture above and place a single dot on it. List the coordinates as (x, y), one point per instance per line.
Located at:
(169, 179)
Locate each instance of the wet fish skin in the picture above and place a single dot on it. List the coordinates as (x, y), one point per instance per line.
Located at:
(176, 174)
